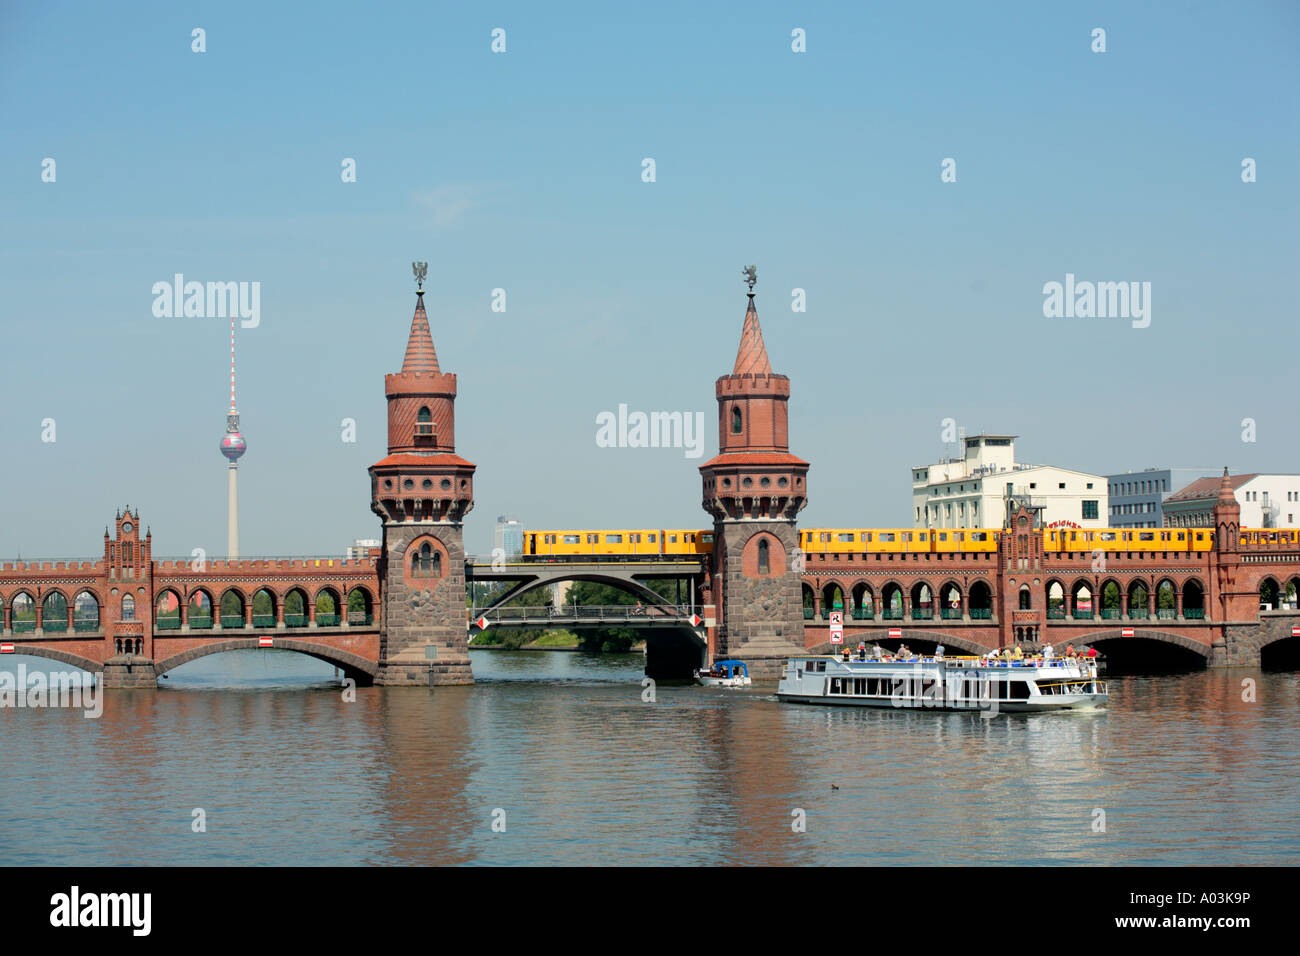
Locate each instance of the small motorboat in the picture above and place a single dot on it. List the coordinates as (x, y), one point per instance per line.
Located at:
(725, 674)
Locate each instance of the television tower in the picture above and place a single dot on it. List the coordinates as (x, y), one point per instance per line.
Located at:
(233, 447)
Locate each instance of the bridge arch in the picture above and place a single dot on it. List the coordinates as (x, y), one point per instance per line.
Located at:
(62, 657)
(864, 600)
(199, 612)
(86, 610)
(1123, 650)
(891, 599)
(232, 608)
(54, 610)
(1139, 597)
(631, 585)
(264, 607)
(832, 597)
(353, 665)
(1270, 593)
(981, 599)
(296, 604)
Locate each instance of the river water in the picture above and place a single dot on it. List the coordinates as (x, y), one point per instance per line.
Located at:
(555, 759)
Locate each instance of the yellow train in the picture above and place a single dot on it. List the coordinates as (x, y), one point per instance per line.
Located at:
(1127, 539)
(905, 540)
(1258, 537)
(620, 543)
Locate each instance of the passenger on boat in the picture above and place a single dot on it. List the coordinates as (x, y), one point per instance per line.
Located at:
(1048, 653)
(1069, 650)
(878, 652)
(938, 652)
(862, 652)
(1016, 653)
(904, 652)
(846, 653)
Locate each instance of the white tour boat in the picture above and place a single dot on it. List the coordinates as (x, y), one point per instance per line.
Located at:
(725, 674)
(945, 683)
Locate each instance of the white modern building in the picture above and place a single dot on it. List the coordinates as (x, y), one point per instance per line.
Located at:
(971, 492)
(360, 548)
(508, 536)
(1267, 501)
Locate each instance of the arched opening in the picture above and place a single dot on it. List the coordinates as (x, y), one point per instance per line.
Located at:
(1140, 655)
(1290, 595)
(809, 603)
(327, 608)
(891, 602)
(22, 611)
(1138, 601)
(200, 612)
(864, 602)
(263, 608)
(764, 560)
(1193, 600)
(1269, 595)
(1081, 601)
(128, 608)
(1283, 655)
(85, 612)
(1166, 600)
(1111, 601)
(922, 602)
(295, 608)
(232, 609)
(360, 608)
(981, 601)
(1055, 601)
(424, 431)
(426, 562)
(832, 599)
(950, 602)
(167, 611)
(54, 613)
(736, 423)
(1026, 599)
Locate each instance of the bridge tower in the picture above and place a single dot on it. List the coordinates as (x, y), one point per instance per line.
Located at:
(1238, 600)
(422, 491)
(754, 489)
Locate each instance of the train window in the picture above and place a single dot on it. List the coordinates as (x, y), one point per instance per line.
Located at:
(706, 538)
(866, 536)
(825, 536)
(634, 538)
(943, 536)
(613, 539)
(593, 539)
(569, 538)
(1105, 535)
(672, 539)
(844, 537)
(1146, 536)
(922, 538)
(886, 536)
(978, 536)
(653, 539)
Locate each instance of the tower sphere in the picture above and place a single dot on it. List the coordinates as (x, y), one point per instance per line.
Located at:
(233, 446)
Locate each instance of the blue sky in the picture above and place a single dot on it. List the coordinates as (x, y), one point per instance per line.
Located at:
(522, 171)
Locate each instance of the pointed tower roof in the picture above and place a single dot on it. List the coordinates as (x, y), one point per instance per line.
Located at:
(751, 357)
(420, 356)
(1227, 496)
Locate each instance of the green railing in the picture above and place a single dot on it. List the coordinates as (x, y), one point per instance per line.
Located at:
(232, 620)
(295, 620)
(55, 627)
(1167, 613)
(85, 624)
(1137, 614)
(981, 613)
(21, 626)
(864, 614)
(1082, 615)
(1111, 613)
(1194, 613)
(200, 620)
(950, 613)
(808, 613)
(359, 618)
(892, 614)
(1056, 614)
(826, 612)
(326, 620)
(263, 620)
(922, 613)
(167, 623)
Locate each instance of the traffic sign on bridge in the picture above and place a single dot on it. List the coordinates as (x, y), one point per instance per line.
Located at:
(837, 627)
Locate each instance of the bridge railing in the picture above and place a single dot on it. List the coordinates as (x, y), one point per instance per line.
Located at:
(601, 612)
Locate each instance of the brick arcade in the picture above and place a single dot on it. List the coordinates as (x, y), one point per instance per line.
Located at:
(399, 613)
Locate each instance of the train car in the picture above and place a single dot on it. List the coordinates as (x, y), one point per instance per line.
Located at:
(623, 543)
(694, 541)
(897, 540)
(1266, 537)
(965, 539)
(1058, 540)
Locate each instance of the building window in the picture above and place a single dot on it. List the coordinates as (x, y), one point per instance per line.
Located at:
(128, 608)
(736, 424)
(1090, 509)
(426, 563)
(764, 562)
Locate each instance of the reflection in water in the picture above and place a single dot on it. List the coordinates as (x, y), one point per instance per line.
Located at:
(1194, 768)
